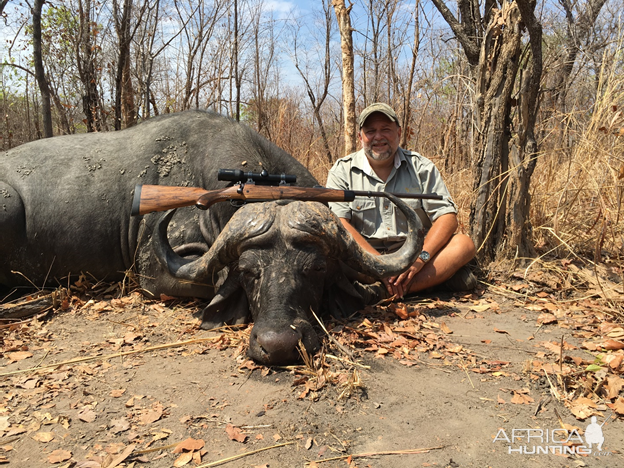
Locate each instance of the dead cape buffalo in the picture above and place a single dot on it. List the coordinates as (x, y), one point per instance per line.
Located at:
(65, 208)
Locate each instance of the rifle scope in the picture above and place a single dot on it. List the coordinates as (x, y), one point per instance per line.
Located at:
(262, 178)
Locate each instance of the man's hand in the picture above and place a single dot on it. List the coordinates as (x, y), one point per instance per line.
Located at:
(399, 285)
(437, 237)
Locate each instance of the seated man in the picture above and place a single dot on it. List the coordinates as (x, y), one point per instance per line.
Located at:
(381, 165)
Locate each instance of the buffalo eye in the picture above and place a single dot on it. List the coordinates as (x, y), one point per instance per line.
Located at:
(250, 274)
(316, 268)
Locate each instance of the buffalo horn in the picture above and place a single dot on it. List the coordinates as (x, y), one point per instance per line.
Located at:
(384, 266)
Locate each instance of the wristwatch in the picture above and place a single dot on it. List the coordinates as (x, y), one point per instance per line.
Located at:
(424, 256)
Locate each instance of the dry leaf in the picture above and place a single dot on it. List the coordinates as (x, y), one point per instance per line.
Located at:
(618, 406)
(183, 459)
(121, 457)
(308, 443)
(276, 437)
(521, 399)
(130, 337)
(582, 407)
(59, 456)
(189, 444)
(613, 345)
(119, 425)
(500, 400)
(152, 416)
(87, 415)
(18, 355)
(444, 327)
(501, 331)
(234, 433)
(614, 386)
(545, 319)
(43, 437)
(400, 310)
(117, 393)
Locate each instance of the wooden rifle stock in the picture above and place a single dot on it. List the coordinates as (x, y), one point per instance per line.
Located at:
(149, 198)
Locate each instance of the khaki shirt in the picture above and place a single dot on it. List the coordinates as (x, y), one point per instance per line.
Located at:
(377, 218)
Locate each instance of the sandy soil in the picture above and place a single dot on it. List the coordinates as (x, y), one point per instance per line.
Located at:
(445, 379)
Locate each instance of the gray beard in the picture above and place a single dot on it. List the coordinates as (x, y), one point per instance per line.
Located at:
(378, 157)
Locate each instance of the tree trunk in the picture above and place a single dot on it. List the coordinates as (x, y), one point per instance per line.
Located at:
(46, 107)
(85, 60)
(348, 79)
(499, 215)
(122, 25)
(525, 149)
(496, 76)
(407, 98)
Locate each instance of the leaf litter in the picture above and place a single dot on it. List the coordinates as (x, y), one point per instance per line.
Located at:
(407, 332)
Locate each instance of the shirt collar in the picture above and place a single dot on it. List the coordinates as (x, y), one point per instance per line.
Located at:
(361, 161)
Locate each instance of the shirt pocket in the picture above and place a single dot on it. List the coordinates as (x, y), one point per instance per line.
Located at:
(364, 216)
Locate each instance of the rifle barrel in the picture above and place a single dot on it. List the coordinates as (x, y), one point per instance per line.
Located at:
(369, 193)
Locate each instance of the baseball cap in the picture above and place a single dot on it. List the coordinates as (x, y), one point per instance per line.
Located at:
(378, 107)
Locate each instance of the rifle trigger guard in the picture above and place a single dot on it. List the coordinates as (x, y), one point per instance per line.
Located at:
(237, 203)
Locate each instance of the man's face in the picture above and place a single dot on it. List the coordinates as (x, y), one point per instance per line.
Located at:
(380, 137)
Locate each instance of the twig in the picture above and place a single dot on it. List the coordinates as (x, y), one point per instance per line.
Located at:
(112, 356)
(236, 457)
(331, 356)
(561, 355)
(332, 339)
(153, 449)
(376, 454)
(466, 371)
(553, 389)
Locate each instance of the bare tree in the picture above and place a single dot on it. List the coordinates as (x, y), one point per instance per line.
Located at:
(317, 99)
(124, 93)
(580, 28)
(42, 81)
(407, 95)
(505, 144)
(348, 77)
(86, 62)
(198, 22)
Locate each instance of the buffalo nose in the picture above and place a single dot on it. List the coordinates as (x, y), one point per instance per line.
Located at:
(274, 347)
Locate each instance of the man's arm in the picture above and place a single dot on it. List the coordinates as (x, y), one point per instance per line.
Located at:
(438, 236)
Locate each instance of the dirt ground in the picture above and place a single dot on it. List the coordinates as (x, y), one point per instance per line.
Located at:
(441, 380)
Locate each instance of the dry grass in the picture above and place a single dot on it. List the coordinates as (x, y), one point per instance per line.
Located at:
(577, 191)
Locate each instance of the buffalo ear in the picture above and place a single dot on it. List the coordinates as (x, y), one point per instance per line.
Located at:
(229, 306)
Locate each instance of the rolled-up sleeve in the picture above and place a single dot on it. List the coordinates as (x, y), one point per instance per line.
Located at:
(338, 179)
(432, 182)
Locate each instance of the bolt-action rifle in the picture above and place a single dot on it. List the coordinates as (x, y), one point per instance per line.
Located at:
(249, 186)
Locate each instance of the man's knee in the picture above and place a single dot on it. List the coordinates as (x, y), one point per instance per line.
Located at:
(462, 248)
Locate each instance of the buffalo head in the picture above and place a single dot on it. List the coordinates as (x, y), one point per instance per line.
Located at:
(283, 259)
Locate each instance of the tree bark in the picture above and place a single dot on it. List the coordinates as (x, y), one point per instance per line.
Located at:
(348, 75)
(496, 76)
(46, 107)
(407, 98)
(122, 25)
(85, 60)
(505, 160)
(524, 144)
